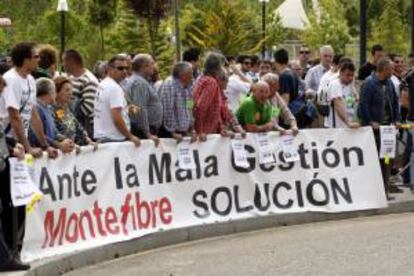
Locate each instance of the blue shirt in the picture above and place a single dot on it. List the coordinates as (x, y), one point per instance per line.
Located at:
(48, 123)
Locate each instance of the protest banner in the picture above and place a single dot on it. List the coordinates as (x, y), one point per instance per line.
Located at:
(121, 192)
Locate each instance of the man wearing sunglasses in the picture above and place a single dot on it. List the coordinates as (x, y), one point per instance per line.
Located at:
(304, 58)
(111, 121)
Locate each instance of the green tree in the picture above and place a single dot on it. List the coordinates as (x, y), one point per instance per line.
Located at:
(389, 30)
(227, 26)
(152, 11)
(102, 13)
(331, 28)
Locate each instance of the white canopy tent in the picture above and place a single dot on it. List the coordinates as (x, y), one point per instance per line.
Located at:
(293, 15)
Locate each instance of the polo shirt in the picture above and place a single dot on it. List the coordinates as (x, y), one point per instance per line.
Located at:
(251, 112)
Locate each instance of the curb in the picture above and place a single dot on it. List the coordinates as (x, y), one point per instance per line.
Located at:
(65, 264)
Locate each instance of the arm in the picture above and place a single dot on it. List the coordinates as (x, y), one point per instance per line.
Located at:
(341, 110)
(365, 103)
(119, 122)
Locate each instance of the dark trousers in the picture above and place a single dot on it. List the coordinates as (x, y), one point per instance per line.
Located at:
(385, 168)
(12, 218)
(407, 157)
(5, 254)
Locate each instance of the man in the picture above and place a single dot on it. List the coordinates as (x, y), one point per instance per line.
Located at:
(304, 59)
(253, 74)
(17, 112)
(379, 106)
(177, 102)
(255, 112)
(280, 111)
(84, 88)
(245, 64)
(342, 98)
(398, 71)
(147, 121)
(47, 62)
(288, 81)
(238, 86)
(265, 66)
(377, 53)
(111, 121)
(298, 71)
(192, 56)
(211, 113)
(407, 104)
(314, 75)
(8, 262)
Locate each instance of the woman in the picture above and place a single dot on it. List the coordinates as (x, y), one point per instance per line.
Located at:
(66, 122)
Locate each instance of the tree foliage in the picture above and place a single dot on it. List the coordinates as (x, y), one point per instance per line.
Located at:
(102, 14)
(389, 29)
(331, 28)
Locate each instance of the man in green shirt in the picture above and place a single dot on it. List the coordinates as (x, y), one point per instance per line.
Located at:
(255, 111)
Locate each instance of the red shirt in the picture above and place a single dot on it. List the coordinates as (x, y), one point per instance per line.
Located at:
(211, 113)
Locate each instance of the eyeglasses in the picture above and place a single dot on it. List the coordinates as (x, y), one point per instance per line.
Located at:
(304, 52)
(247, 63)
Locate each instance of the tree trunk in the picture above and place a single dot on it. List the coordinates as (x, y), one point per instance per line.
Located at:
(101, 29)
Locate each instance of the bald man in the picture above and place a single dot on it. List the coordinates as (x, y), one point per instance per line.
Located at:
(255, 112)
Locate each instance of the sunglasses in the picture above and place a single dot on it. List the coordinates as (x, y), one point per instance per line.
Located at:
(304, 52)
(247, 63)
(122, 68)
(36, 56)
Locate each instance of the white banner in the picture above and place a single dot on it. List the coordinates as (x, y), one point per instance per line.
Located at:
(121, 192)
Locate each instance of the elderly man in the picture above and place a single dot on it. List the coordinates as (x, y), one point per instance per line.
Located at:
(255, 112)
(280, 110)
(211, 112)
(379, 106)
(148, 120)
(314, 75)
(177, 102)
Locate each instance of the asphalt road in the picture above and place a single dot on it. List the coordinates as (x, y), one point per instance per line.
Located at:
(379, 245)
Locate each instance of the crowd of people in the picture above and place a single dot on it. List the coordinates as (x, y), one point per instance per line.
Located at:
(125, 99)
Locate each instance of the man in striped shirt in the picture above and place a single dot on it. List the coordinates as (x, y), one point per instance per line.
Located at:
(84, 89)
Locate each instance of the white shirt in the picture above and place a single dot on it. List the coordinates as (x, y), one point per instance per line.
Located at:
(338, 90)
(396, 82)
(236, 89)
(109, 95)
(323, 86)
(19, 92)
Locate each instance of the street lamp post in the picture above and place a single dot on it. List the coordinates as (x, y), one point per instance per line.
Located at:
(63, 9)
(363, 32)
(412, 25)
(263, 2)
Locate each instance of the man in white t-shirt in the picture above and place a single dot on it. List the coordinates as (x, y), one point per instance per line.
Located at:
(342, 98)
(111, 120)
(238, 87)
(19, 98)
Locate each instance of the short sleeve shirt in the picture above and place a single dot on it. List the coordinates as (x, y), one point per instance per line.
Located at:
(252, 112)
(19, 94)
(338, 90)
(109, 95)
